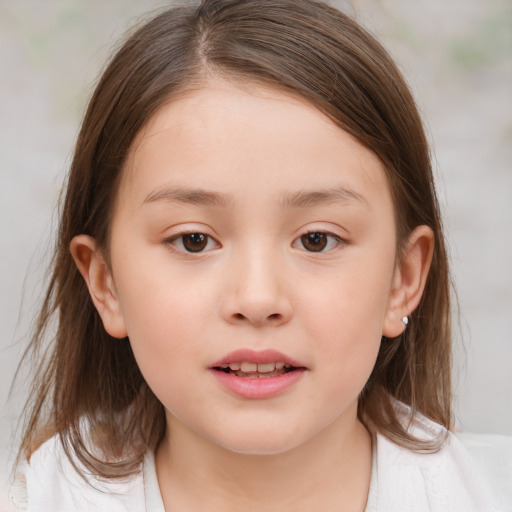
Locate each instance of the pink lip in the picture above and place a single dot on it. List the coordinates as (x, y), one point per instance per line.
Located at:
(253, 356)
(257, 388)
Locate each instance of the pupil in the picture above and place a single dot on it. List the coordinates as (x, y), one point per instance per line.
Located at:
(195, 242)
(314, 242)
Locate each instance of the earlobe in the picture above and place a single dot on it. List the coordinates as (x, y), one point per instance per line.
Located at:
(91, 264)
(409, 280)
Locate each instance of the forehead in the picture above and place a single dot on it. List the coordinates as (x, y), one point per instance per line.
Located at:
(229, 137)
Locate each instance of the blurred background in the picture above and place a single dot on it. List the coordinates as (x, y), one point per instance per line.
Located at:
(456, 56)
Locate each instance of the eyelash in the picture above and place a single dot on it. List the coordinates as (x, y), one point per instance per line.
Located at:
(332, 241)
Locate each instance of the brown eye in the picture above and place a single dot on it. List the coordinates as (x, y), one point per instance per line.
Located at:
(194, 242)
(314, 242)
(318, 241)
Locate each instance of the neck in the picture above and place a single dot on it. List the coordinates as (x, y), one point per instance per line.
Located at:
(328, 472)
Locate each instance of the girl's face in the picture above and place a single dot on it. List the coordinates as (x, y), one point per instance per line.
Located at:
(250, 229)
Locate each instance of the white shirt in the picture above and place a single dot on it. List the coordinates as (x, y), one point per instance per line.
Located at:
(402, 481)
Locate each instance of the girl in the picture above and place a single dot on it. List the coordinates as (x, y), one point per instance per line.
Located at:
(250, 283)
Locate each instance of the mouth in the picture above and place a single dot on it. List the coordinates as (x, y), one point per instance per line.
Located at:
(251, 374)
(249, 370)
(251, 364)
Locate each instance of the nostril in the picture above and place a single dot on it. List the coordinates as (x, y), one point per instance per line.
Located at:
(274, 317)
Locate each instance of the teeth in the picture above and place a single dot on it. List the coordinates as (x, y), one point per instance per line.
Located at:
(247, 367)
(266, 367)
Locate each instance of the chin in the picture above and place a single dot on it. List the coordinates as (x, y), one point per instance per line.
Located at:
(261, 443)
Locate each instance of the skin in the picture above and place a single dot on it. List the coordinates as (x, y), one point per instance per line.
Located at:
(260, 154)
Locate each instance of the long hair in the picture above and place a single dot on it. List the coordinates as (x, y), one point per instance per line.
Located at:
(87, 387)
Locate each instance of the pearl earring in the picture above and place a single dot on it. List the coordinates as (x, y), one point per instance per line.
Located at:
(405, 320)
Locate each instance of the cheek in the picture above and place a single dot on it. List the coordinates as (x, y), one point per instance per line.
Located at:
(156, 296)
(346, 352)
(346, 318)
(352, 304)
(162, 320)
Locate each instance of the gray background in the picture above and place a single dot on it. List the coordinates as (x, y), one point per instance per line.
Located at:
(457, 57)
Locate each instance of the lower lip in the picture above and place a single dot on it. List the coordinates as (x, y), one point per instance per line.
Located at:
(257, 388)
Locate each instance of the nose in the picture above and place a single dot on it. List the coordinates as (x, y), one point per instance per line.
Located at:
(257, 291)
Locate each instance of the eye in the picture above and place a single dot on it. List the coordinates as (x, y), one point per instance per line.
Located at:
(193, 242)
(317, 241)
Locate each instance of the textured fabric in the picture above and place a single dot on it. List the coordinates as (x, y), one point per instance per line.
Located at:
(444, 481)
(493, 456)
(402, 481)
(50, 483)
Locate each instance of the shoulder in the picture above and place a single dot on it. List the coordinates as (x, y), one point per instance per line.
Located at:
(50, 482)
(449, 479)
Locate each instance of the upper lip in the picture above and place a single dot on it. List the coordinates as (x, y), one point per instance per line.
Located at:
(255, 356)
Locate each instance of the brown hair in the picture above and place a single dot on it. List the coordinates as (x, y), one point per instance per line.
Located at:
(311, 50)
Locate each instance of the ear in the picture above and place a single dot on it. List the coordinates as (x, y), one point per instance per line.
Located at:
(91, 264)
(409, 280)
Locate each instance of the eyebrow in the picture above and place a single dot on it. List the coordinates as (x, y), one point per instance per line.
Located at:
(189, 196)
(298, 199)
(305, 199)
